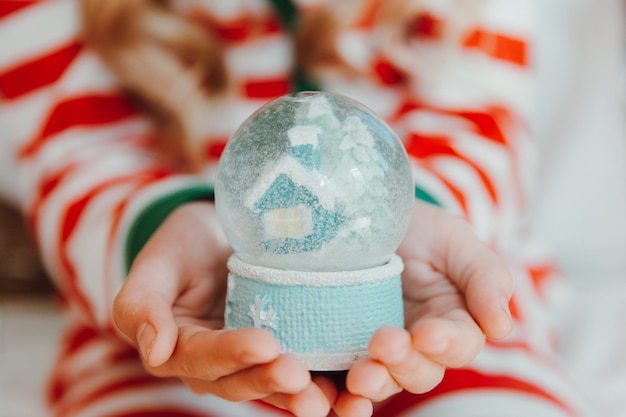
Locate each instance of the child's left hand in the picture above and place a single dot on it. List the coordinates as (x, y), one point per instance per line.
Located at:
(456, 293)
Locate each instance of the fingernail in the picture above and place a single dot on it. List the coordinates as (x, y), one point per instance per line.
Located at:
(504, 304)
(146, 335)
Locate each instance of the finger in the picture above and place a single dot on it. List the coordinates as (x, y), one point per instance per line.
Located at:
(482, 277)
(328, 387)
(163, 275)
(345, 403)
(453, 341)
(285, 375)
(410, 369)
(371, 379)
(212, 354)
(146, 318)
(310, 402)
(351, 405)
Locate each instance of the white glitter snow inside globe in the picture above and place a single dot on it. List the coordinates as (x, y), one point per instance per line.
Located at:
(314, 193)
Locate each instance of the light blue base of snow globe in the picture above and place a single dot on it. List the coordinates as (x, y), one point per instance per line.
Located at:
(326, 319)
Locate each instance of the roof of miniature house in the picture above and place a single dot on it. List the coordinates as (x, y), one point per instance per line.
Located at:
(299, 175)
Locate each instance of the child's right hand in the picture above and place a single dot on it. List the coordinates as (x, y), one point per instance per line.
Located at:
(172, 305)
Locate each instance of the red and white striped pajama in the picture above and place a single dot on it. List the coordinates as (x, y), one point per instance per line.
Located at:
(80, 161)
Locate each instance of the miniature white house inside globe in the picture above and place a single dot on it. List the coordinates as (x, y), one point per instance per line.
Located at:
(314, 193)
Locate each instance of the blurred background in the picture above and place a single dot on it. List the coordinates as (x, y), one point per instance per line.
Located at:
(581, 207)
(29, 322)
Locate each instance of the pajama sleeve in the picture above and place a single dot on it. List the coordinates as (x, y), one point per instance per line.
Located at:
(454, 81)
(77, 157)
(466, 123)
(465, 120)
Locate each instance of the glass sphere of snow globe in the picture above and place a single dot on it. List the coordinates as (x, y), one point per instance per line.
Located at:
(314, 181)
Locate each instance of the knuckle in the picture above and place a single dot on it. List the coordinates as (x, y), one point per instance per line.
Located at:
(233, 395)
(188, 368)
(268, 382)
(217, 389)
(430, 380)
(196, 386)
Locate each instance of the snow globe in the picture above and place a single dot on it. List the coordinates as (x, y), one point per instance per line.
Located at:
(314, 193)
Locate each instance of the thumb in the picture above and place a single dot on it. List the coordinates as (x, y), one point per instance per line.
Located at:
(483, 278)
(146, 318)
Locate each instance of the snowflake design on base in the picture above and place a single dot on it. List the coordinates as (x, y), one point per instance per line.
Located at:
(262, 313)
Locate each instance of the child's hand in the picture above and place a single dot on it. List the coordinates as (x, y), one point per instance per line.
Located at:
(172, 305)
(456, 293)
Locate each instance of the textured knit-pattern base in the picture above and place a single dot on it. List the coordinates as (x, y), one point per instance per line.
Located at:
(328, 322)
